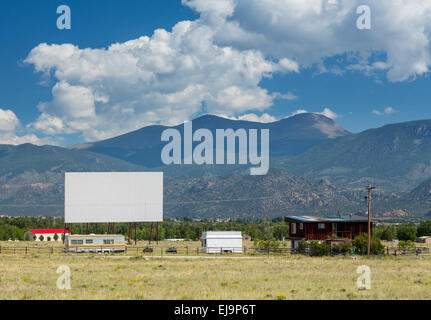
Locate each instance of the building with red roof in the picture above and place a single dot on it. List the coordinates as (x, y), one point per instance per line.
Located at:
(45, 234)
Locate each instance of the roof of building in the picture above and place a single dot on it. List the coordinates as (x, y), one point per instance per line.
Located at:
(425, 237)
(319, 219)
(221, 234)
(42, 231)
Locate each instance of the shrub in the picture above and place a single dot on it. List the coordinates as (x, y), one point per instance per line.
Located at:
(360, 244)
(318, 249)
(41, 238)
(342, 248)
(406, 244)
(302, 246)
(265, 244)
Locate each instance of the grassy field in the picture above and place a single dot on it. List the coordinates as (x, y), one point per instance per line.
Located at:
(294, 277)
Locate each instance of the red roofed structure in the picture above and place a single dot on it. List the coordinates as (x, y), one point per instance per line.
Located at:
(53, 231)
(45, 234)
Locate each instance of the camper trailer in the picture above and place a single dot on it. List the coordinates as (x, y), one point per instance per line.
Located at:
(95, 243)
(221, 242)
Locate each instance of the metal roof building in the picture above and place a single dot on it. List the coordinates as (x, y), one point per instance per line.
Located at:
(318, 228)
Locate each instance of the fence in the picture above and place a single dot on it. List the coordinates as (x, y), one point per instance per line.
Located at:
(29, 250)
(400, 251)
(197, 251)
(155, 250)
(188, 251)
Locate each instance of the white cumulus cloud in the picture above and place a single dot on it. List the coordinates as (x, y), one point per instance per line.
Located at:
(308, 32)
(325, 112)
(385, 111)
(166, 78)
(8, 121)
(264, 118)
(9, 128)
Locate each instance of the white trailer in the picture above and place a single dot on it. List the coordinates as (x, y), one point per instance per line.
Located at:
(221, 242)
(95, 243)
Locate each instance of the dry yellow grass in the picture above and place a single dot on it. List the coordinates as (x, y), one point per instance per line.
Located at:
(292, 277)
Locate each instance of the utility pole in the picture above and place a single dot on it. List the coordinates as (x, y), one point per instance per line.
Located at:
(369, 188)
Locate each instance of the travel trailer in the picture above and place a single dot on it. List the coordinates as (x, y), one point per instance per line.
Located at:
(95, 243)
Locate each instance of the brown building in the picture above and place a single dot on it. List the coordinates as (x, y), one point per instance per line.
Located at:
(424, 239)
(315, 228)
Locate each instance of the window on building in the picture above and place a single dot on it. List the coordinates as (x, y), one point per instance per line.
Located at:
(321, 226)
(293, 228)
(301, 226)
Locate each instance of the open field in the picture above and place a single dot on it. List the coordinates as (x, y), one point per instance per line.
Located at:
(293, 277)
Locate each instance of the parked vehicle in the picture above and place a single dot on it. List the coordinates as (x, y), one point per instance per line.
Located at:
(95, 243)
(171, 250)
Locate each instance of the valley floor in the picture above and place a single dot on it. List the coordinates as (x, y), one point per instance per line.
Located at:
(34, 276)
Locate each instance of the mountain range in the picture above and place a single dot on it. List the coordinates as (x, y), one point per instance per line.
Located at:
(317, 168)
(395, 157)
(289, 136)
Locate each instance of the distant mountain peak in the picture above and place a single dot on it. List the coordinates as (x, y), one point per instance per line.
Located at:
(289, 136)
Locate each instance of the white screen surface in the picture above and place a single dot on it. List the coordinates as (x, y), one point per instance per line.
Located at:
(97, 197)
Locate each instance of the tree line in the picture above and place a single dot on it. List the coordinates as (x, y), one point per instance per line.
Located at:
(259, 229)
(404, 231)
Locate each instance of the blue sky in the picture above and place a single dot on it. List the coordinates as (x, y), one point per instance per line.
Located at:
(363, 77)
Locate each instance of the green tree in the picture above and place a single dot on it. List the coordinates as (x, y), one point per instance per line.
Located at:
(424, 228)
(388, 233)
(55, 237)
(41, 238)
(360, 244)
(406, 232)
(281, 230)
